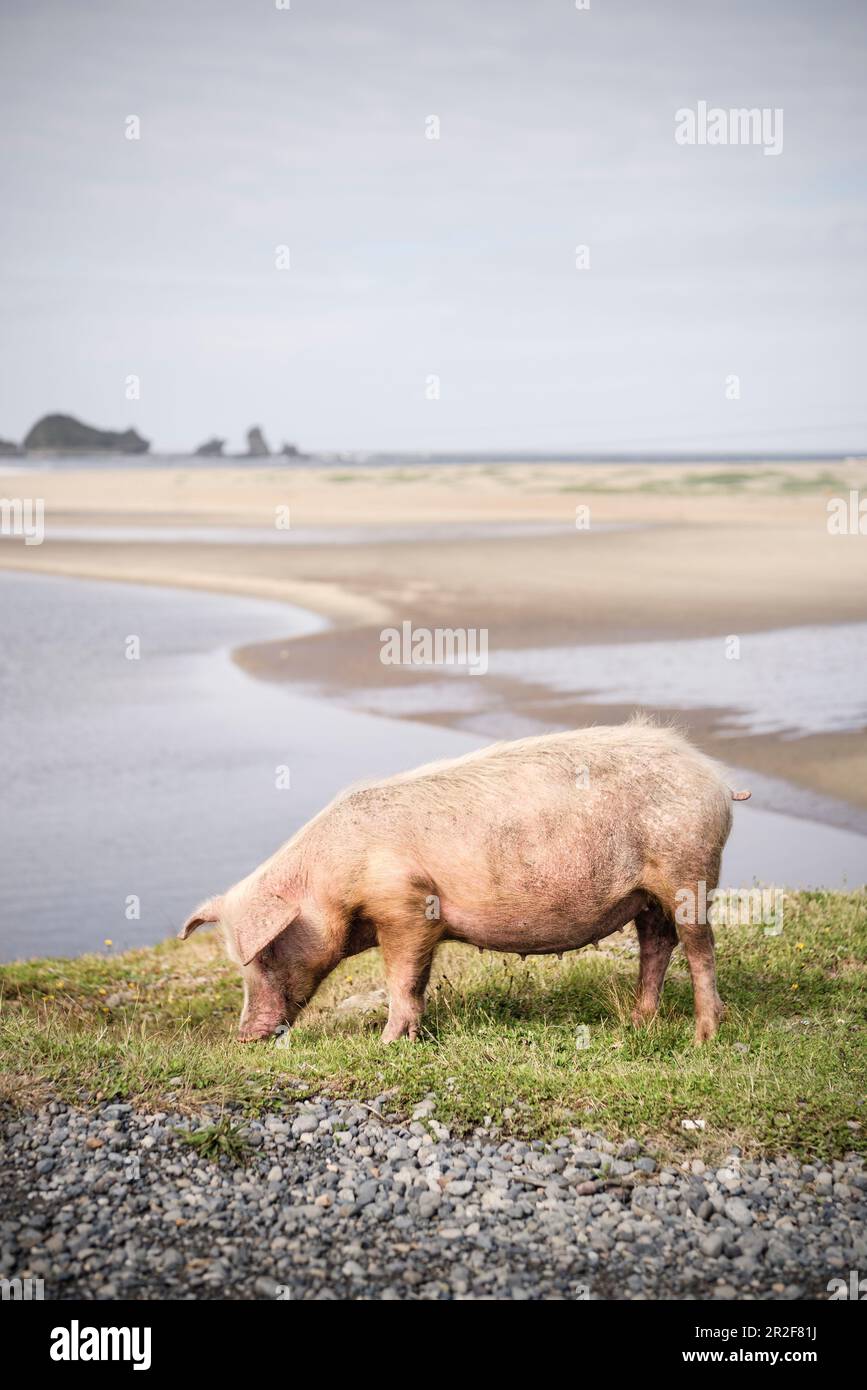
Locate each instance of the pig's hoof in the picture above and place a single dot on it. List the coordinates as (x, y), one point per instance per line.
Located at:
(408, 1031)
(706, 1028)
(642, 1016)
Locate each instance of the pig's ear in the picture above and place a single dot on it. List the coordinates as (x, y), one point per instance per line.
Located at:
(206, 912)
(258, 928)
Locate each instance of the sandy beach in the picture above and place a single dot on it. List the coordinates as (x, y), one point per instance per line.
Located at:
(671, 552)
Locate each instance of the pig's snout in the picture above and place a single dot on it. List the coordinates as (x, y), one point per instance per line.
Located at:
(256, 1030)
(267, 1005)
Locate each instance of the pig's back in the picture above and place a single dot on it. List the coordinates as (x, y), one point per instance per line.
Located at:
(580, 771)
(546, 820)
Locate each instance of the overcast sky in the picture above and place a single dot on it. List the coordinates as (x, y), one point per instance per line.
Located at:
(412, 257)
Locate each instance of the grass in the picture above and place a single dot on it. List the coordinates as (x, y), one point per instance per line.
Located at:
(785, 1074)
(221, 1140)
(766, 480)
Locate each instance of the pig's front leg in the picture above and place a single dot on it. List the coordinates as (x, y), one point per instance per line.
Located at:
(408, 955)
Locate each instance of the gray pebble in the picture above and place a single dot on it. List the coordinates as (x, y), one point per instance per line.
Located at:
(336, 1202)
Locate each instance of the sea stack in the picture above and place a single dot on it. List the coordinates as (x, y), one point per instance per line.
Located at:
(256, 446)
(211, 449)
(64, 434)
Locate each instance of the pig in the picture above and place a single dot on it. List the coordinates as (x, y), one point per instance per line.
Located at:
(537, 846)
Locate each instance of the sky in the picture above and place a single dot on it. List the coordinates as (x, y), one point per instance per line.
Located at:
(432, 299)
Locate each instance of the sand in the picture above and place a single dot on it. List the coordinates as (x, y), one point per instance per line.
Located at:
(715, 551)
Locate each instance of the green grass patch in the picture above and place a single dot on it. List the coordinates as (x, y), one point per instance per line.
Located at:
(763, 480)
(221, 1140)
(787, 1072)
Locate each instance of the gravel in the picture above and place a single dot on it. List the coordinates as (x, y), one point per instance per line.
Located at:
(339, 1200)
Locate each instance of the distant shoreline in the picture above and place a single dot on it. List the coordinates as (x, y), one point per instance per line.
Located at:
(40, 460)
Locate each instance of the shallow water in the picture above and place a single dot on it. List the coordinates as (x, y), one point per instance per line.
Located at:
(156, 778)
(321, 535)
(791, 681)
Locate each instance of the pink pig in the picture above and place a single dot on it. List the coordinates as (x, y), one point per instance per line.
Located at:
(542, 845)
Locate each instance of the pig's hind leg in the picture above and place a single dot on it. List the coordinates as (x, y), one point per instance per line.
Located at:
(696, 938)
(657, 939)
